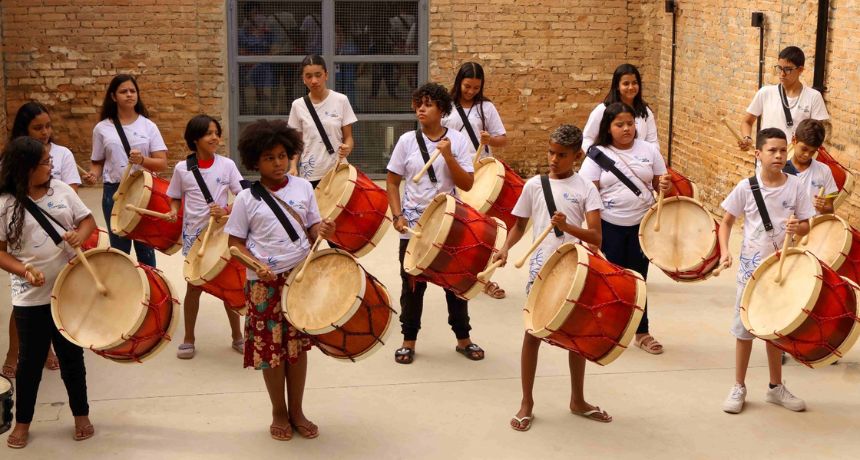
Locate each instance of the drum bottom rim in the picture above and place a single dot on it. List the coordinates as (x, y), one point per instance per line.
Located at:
(501, 236)
(377, 237)
(383, 338)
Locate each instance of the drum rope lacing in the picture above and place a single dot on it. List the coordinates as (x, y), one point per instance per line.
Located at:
(360, 215)
(221, 292)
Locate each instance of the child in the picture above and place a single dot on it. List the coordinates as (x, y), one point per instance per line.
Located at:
(220, 175)
(25, 175)
(812, 173)
(272, 344)
(452, 169)
(577, 200)
(784, 195)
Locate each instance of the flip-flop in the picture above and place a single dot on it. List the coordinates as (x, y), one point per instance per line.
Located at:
(83, 433)
(520, 427)
(594, 414)
(404, 355)
(239, 345)
(15, 442)
(654, 347)
(280, 433)
(185, 351)
(471, 351)
(52, 363)
(305, 431)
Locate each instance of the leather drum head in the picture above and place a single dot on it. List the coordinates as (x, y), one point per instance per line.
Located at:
(829, 240)
(335, 191)
(489, 179)
(434, 225)
(213, 260)
(687, 236)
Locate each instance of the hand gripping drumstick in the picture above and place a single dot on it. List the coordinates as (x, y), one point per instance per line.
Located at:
(484, 275)
(735, 133)
(535, 245)
(124, 177)
(785, 242)
(81, 169)
(202, 249)
(33, 271)
(415, 233)
(246, 260)
(301, 273)
(427, 165)
(478, 154)
(147, 212)
(99, 286)
(805, 240)
(659, 212)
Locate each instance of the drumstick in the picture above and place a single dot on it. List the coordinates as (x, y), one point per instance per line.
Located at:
(99, 286)
(202, 249)
(735, 133)
(785, 242)
(483, 276)
(659, 212)
(124, 177)
(247, 260)
(805, 240)
(147, 212)
(415, 233)
(427, 165)
(535, 245)
(331, 173)
(81, 169)
(478, 153)
(301, 272)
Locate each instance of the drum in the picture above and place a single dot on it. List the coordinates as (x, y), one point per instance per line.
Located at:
(686, 247)
(358, 207)
(835, 243)
(347, 320)
(683, 186)
(217, 272)
(6, 404)
(143, 190)
(456, 243)
(583, 303)
(495, 191)
(131, 323)
(843, 178)
(811, 315)
(97, 239)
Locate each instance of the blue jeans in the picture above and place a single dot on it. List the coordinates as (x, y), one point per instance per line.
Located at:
(145, 254)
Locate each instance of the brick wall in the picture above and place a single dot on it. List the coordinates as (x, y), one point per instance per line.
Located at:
(2, 88)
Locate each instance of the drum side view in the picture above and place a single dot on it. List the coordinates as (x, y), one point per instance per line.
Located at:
(835, 243)
(217, 272)
(683, 185)
(843, 178)
(6, 403)
(145, 191)
(434, 225)
(495, 191)
(97, 239)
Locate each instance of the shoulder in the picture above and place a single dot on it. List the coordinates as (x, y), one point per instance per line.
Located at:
(812, 92)
(455, 136)
(488, 106)
(598, 110)
(583, 183)
(182, 166)
(149, 124)
(245, 196)
(59, 150)
(103, 125)
(768, 90)
(225, 162)
(61, 188)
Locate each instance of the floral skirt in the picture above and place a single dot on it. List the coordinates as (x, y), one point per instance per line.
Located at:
(269, 338)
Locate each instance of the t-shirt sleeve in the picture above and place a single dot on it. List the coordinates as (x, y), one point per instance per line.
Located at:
(235, 178)
(523, 208)
(659, 165)
(397, 163)
(756, 107)
(592, 198)
(98, 146)
(348, 114)
(295, 120)
(592, 127)
(237, 223)
(589, 170)
(803, 208)
(79, 210)
(734, 203)
(651, 132)
(174, 190)
(818, 111)
(313, 215)
(829, 182)
(494, 121)
(156, 142)
(68, 170)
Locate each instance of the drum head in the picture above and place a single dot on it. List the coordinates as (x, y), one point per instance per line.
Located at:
(90, 319)
(829, 239)
(434, 225)
(329, 293)
(5, 385)
(771, 309)
(562, 277)
(334, 192)
(136, 192)
(489, 179)
(214, 258)
(688, 234)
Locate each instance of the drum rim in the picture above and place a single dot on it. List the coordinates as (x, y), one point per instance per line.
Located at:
(652, 210)
(362, 275)
(382, 337)
(345, 196)
(846, 244)
(847, 189)
(215, 270)
(58, 283)
(501, 237)
(377, 236)
(632, 325)
(8, 393)
(119, 203)
(850, 340)
(497, 187)
(414, 267)
(802, 312)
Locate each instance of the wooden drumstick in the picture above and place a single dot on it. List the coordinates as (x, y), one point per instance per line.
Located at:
(147, 212)
(720, 268)
(301, 273)
(484, 275)
(202, 249)
(99, 286)
(415, 233)
(328, 180)
(785, 242)
(81, 169)
(478, 154)
(733, 131)
(427, 165)
(659, 212)
(535, 245)
(805, 240)
(247, 260)
(122, 181)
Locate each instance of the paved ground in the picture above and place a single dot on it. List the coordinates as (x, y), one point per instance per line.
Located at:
(444, 406)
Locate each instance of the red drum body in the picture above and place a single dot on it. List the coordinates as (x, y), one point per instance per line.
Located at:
(216, 271)
(97, 239)
(144, 190)
(835, 243)
(495, 191)
(843, 178)
(683, 186)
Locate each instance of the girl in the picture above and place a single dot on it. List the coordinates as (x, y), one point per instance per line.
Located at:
(623, 207)
(336, 116)
(219, 173)
(26, 175)
(123, 108)
(273, 344)
(627, 88)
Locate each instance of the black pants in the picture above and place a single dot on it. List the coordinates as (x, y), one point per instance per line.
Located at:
(412, 305)
(36, 332)
(621, 247)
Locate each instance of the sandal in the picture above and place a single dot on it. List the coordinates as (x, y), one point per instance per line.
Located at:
(186, 351)
(16, 442)
(52, 363)
(404, 355)
(594, 414)
(239, 345)
(472, 351)
(280, 433)
(83, 433)
(652, 346)
(493, 290)
(9, 371)
(522, 423)
(307, 431)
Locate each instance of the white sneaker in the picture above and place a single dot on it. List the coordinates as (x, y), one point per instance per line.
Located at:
(734, 402)
(780, 395)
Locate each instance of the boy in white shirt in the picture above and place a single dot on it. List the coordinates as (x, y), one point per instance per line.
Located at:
(814, 174)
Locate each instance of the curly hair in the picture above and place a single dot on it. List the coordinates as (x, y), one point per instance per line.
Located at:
(196, 128)
(567, 136)
(436, 93)
(264, 135)
(20, 157)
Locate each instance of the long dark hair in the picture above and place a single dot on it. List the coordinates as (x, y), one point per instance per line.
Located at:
(604, 135)
(20, 157)
(640, 108)
(470, 70)
(25, 115)
(312, 59)
(109, 107)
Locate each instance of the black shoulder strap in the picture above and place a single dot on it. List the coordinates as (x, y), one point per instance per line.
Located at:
(784, 99)
(260, 192)
(550, 201)
(39, 215)
(789, 168)
(759, 202)
(194, 167)
(468, 126)
(426, 156)
(317, 122)
(122, 137)
(607, 164)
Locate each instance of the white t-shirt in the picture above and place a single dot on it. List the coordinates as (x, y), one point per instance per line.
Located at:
(768, 105)
(335, 113)
(142, 134)
(63, 165)
(781, 202)
(620, 205)
(253, 220)
(818, 175)
(493, 123)
(573, 196)
(219, 178)
(37, 247)
(406, 161)
(646, 128)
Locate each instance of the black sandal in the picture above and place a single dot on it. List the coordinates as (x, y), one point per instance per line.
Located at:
(471, 351)
(404, 355)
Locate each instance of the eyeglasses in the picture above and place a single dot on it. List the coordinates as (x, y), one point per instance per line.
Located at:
(784, 70)
(47, 162)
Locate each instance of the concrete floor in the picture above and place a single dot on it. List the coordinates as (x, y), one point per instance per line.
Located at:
(444, 406)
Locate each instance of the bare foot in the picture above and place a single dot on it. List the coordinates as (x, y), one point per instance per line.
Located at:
(52, 363)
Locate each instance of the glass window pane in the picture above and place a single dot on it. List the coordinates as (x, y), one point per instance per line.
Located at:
(267, 88)
(280, 28)
(374, 141)
(382, 87)
(376, 27)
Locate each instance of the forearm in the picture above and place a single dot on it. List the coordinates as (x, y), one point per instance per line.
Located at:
(586, 235)
(462, 179)
(175, 205)
(154, 164)
(498, 141)
(11, 264)
(86, 227)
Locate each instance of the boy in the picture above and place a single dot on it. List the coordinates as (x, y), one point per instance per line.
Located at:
(577, 200)
(784, 196)
(812, 173)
